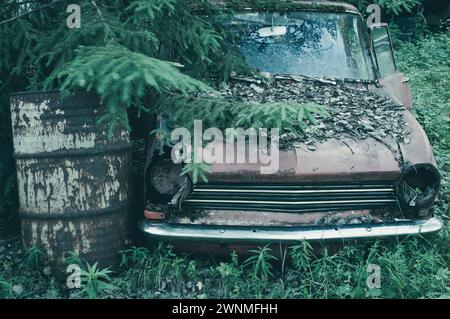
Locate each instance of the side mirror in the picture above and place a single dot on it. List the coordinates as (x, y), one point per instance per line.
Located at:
(383, 50)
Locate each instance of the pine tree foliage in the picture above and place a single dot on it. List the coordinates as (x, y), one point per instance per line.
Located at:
(123, 77)
(288, 116)
(124, 50)
(392, 7)
(127, 51)
(198, 171)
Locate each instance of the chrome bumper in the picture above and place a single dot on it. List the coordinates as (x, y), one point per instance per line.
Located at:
(173, 232)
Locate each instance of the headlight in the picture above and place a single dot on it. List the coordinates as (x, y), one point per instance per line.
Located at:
(417, 189)
(165, 177)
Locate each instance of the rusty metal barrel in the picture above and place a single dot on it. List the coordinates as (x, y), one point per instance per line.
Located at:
(74, 182)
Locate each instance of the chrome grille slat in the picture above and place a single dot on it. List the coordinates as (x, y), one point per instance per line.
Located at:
(292, 198)
(262, 202)
(310, 191)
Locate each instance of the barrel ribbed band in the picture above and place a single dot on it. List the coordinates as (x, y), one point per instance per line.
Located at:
(90, 213)
(78, 152)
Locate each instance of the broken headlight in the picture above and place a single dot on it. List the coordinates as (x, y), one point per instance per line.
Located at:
(417, 189)
(165, 177)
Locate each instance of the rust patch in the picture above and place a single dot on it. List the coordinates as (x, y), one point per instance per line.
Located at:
(75, 184)
(269, 219)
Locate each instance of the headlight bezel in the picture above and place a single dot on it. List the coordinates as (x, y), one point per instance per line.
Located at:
(417, 189)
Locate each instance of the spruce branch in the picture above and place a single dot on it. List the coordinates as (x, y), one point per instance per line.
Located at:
(30, 11)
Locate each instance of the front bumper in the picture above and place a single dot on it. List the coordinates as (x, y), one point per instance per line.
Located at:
(201, 233)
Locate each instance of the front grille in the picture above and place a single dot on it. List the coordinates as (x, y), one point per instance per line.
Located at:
(292, 198)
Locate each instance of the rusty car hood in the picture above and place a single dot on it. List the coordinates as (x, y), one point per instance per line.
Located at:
(333, 159)
(343, 159)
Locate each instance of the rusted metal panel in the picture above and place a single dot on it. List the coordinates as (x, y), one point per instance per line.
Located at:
(95, 238)
(344, 160)
(265, 219)
(74, 183)
(419, 150)
(396, 87)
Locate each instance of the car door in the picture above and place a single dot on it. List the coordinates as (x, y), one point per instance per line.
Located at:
(393, 82)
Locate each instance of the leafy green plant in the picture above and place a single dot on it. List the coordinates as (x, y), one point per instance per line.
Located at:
(73, 258)
(426, 65)
(139, 265)
(301, 255)
(95, 280)
(5, 289)
(392, 7)
(134, 255)
(128, 75)
(398, 6)
(215, 111)
(156, 270)
(171, 270)
(197, 171)
(230, 276)
(288, 115)
(212, 109)
(260, 262)
(34, 258)
(126, 52)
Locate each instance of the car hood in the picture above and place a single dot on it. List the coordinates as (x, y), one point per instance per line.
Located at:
(343, 160)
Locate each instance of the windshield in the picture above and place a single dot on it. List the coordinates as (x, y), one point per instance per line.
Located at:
(314, 44)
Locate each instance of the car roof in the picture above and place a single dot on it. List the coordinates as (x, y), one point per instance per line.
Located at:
(317, 5)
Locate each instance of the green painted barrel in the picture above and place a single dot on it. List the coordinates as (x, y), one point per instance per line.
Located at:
(74, 183)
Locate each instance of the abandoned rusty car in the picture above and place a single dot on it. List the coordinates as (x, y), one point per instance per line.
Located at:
(366, 171)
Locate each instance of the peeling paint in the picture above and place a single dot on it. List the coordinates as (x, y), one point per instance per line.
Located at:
(39, 135)
(74, 183)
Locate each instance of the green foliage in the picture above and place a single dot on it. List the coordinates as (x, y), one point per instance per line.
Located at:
(183, 110)
(157, 270)
(392, 11)
(34, 258)
(229, 277)
(260, 262)
(427, 66)
(396, 7)
(139, 264)
(197, 171)
(289, 116)
(411, 268)
(5, 289)
(95, 280)
(301, 255)
(151, 8)
(72, 258)
(134, 255)
(391, 7)
(122, 51)
(122, 77)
